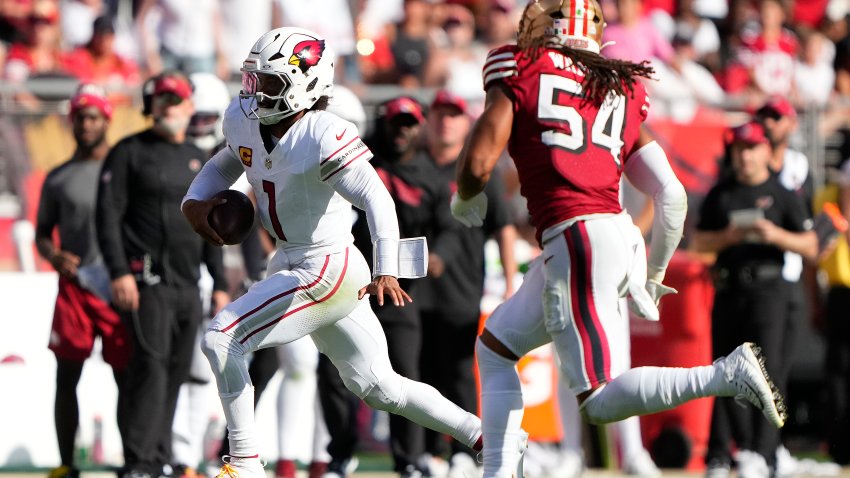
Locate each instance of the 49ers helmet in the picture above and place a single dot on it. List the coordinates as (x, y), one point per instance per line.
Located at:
(303, 62)
(574, 23)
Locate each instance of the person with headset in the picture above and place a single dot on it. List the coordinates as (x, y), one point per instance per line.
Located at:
(153, 258)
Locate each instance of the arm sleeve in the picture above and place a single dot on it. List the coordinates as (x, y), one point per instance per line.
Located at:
(650, 172)
(214, 260)
(360, 185)
(221, 171)
(111, 207)
(797, 217)
(447, 244)
(48, 212)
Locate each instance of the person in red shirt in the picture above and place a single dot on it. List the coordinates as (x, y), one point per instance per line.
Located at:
(40, 54)
(97, 61)
(571, 120)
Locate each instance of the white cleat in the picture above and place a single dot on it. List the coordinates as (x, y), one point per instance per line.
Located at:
(235, 467)
(641, 465)
(745, 371)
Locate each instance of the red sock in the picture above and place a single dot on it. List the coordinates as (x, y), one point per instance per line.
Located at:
(285, 469)
(317, 469)
(479, 444)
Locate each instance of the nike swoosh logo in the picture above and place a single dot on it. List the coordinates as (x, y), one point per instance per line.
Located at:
(547, 259)
(339, 136)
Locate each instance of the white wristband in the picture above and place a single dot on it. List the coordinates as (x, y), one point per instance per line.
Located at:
(385, 257)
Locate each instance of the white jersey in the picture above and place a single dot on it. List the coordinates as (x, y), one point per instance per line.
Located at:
(795, 170)
(293, 183)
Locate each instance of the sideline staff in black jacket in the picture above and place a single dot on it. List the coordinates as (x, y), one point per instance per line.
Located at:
(154, 259)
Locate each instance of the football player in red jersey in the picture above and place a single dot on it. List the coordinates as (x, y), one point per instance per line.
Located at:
(571, 120)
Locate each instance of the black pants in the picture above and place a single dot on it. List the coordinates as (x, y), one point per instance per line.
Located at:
(403, 328)
(748, 313)
(163, 331)
(447, 363)
(339, 407)
(838, 373)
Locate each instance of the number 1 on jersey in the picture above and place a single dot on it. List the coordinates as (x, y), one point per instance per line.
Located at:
(268, 187)
(607, 128)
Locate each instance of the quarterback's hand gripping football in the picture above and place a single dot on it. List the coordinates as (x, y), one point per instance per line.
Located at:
(385, 285)
(197, 212)
(658, 290)
(470, 212)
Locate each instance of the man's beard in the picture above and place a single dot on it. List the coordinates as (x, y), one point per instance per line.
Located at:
(88, 146)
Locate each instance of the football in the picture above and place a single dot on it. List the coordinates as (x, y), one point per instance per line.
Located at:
(234, 219)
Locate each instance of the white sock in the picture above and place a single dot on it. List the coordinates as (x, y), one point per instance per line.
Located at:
(570, 418)
(631, 443)
(295, 412)
(239, 412)
(227, 360)
(501, 411)
(424, 405)
(645, 390)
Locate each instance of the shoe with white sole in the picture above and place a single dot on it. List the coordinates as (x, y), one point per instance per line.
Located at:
(523, 445)
(745, 371)
(237, 467)
(641, 465)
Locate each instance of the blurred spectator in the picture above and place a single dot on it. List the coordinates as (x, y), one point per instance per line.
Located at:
(154, 260)
(14, 20)
(190, 37)
(842, 55)
(452, 307)
(809, 13)
(98, 63)
(836, 328)
(458, 60)
(40, 54)
(193, 409)
(332, 20)
(702, 33)
(502, 19)
(82, 310)
(78, 16)
(635, 38)
(411, 44)
(683, 85)
(749, 220)
(241, 31)
(420, 197)
(767, 54)
(814, 75)
(792, 170)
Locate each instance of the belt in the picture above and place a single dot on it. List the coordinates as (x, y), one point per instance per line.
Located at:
(747, 274)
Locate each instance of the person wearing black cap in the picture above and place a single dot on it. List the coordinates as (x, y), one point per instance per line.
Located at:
(82, 305)
(750, 220)
(154, 258)
(420, 197)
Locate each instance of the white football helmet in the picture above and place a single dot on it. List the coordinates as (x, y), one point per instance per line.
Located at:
(303, 65)
(211, 98)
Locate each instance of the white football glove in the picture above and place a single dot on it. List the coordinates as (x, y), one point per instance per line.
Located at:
(658, 290)
(470, 212)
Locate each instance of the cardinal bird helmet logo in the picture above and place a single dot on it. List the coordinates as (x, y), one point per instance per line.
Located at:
(307, 54)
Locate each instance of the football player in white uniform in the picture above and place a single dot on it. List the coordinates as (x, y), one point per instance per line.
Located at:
(307, 168)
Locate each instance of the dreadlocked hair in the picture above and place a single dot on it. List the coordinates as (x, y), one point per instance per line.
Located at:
(601, 75)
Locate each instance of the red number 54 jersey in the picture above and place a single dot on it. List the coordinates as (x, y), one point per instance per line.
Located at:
(569, 152)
